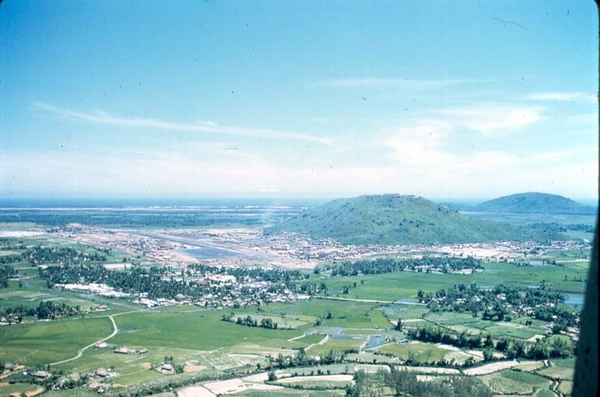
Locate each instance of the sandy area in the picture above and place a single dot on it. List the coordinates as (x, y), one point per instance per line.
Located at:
(194, 391)
(447, 347)
(35, 392)
(233, 386)
(146, 365)
(257, 378)
(535, 338)
(530, 365)
(431, 370)
(193, 368)
(332, 378)
(490, 368)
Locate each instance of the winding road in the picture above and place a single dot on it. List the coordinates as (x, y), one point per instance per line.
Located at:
(80, 353)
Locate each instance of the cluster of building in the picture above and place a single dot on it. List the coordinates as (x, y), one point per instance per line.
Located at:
(93, 288)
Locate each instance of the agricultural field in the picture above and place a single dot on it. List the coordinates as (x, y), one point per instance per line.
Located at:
(182, 344)
(515, 383)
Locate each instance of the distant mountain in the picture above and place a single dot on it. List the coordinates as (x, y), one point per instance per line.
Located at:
(535, 203)
(393, 219)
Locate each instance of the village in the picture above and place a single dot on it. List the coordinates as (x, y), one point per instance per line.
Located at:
(234, 247)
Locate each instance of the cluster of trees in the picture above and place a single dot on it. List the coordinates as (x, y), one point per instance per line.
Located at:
(442, 335)
(10, 245)
(554, 347)
(392, 265)
(496, 304)
(404, 383)
(161, 282)
(44, 310)
(65, 255)
(6, 273)
(302, 359)
(248, 321)
(563, 227)
(154, 281)
(249, 273)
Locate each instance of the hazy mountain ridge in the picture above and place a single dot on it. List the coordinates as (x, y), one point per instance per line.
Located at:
(394, 219)
(535, 203)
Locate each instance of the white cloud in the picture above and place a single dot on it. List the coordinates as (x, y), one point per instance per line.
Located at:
(430, 172)
(374, 83)
(493, 118)
(210, 127)
(563, 97)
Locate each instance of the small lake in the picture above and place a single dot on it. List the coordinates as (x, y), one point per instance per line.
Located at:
(574, 299)
(346, 337)
(375, 341)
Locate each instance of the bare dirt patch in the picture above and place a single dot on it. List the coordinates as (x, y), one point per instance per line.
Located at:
(146, 365)
(194, 368)
(35, 392)
(535, 338)
(490, 368)
(330, 378)
(194, 391)
(431, 370)
(232, 386)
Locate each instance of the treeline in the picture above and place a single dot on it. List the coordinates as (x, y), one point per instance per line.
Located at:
(154, 281)
(245, 272)
(554, 347)
(392, 265)
(248, 321)
(63, 255)
(501, 303)
(161, 282)
(302, 359)
(407, 384)
(563, 227)
(6, 273)
(45, 310)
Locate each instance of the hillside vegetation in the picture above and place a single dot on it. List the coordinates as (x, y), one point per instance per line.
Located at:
(395, 219)
(535, 203)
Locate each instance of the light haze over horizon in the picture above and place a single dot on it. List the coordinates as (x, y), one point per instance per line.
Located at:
(184, 99)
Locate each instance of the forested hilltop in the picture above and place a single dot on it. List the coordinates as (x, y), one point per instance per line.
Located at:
(394, 219)
(535, 203)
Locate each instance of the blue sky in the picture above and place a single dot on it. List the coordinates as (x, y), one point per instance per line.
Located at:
(456, 99)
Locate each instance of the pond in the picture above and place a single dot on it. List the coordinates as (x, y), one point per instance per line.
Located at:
(375, 341)
(574, 299)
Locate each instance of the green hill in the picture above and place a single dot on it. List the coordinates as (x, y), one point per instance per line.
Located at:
(393, 219)
(535, 203)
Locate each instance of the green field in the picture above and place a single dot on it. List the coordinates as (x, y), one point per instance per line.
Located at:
(46, 342)
(515, 382)
(416, 352)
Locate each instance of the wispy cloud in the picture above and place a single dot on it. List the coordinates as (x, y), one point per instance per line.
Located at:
(100, 117)
(492, 118)
(563, 97)
(375, 83)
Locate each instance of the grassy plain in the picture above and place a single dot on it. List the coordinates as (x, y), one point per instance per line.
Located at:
(46, 342)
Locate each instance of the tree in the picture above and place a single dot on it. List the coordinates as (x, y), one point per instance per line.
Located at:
(272, 376)
(398, 326)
